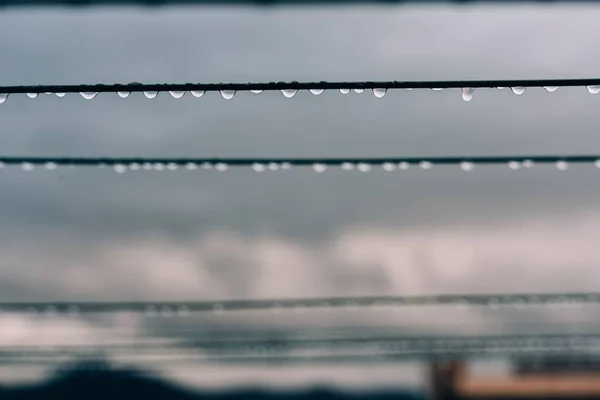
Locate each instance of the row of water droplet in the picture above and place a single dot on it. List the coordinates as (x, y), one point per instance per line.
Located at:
(467, 92)
(277, 166)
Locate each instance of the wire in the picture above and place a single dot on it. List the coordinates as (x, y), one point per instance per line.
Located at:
(270, 86)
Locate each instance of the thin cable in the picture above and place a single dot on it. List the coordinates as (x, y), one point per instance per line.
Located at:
(270, 86)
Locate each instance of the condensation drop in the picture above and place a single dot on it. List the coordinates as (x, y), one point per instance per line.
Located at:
(159, 167)
(319, 167)
(425, 165)
(123, 95)
(388, 166)
(191, 166)
(379, 93)
(258, 167)
(289, 93)
(27, 166)
(88, 95)
(593, 89)
(346, 166)
(359, 90)
(273, 166)
(467, 166)
(147, 167)
(514, 165)
(551, 88)
(344, 91)
(562, 165)
(177, 94)
(467, 94)
(135, 166)
(403, 165)
(316, 92)
(528, 163)
(197, 93)
(51, 165)
(172, 166)
(120, 168)
(256, 91)
(206, 166)
(61, 95)
(3, 97)
(228, 94)
(364, 167)
(150, 94)
(518, 90)
(221, 167)
(32, 95)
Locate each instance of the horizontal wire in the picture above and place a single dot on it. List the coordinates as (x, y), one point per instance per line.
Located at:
(270, 86)
(283, 163)
(220, 306)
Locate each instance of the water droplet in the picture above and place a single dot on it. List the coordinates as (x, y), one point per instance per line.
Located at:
(364, 167)
(206, 165)
(120, 168)
(228, 94)
(379, 93)
(597, 163)
(183, 311)
(593, 89)
(27, 166)
(256, 91)
(2, 165)
(514, 165)
(32, 95)
(562, 165)
(47, 93)
(437, 89)
(150, 94)
(425, 165)
(258, 167)
(218, 309)
(73, 311)
(166, 312)
(404, 165)
(3, 97)
(518, 90)
(551, 88)
(172, 166)
(191, 166)
(197, 93)
(319, 167)
(51, 165)
(147, 167)
(50, 311)
(273, 166)
(221, 167)
(389, 166)
(289, 93)
(346, 166)
(159, 167)
(344, 91)
(151, 311)
(467, 166)
(177, 94)
(467, 94)
(359, 90)
(500, 87)
(286, 165)
(316, 92)
(123, 95)
(60, 95)
(88, 95)
(528, 163)
(135, 167)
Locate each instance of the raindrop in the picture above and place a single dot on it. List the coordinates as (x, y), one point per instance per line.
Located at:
(551, 88)
(120, 168)
(228, 94)
(257, 167)
(597, 163)
(273, 166)
(467, 166)
(379, 93)
(135, 166)
(159, 167)
(191, 166)
(61, 95)
(316, 92)
(403, 165)
(319, 167)
(177, 94)
(172, 166)
(500, 87)
(346, 166)
(518, 90)
(528, 163)
(593, 89)
(562, 165)
(437, 89)
(286, 165)
(88, 95)
(388, 166)
(123, 95)
(514, 165)
(221, 167)
(218, 309)
(2, 165)
(206, 165)
(51, 165)
(3, 97)
(344, 91)
(359, 90)
(27, 166)
(32, 95)
(151, 94)
(425, 165)
(467, 93)
(147, 166)
(197, 93)
(364, 167)
(256, 91)
(289, 93)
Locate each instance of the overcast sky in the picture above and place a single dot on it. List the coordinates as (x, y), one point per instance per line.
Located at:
(88, 234)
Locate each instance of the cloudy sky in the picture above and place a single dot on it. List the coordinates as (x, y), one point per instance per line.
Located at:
(88, 234)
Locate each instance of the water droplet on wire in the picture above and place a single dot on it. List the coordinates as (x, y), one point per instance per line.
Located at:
(88, 95)
(467, 166)
(593, 89)
(514, 165)
(273, 166)
(221, 167)
(135, 167)
(562, 165)
(32, 95)
(551, 88)
(389, 167)
(437, 89)
(120, 168)
(228, 94)
(425, 165)
(316, 92)
(319, 167)
(344, 91)
(3, 97)
(467, 94)
(27, 166)
(177, 94)
(364, 167)
(289, 93)
(172, 166)
(597, 164)
(256, 91)
(2, 165)
(51, 165)
(257, 167)
(346, 166)
(60, 95)
(123, 95)
(150, 94)
(197, 93)
(379, 93)
(528, 163)
(404, 165)
(359, 90)
(518, 90)
(158, 166)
